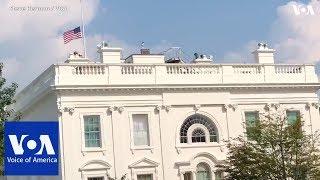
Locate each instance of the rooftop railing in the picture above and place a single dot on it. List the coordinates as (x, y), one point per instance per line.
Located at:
(129, 74)
(95, 74)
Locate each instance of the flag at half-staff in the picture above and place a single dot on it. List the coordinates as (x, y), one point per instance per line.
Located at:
(72, 35)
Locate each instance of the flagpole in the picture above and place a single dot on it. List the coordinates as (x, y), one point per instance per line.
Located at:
(83, 32)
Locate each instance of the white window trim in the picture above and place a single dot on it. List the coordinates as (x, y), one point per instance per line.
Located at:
(180, 145)
(296, 109)
(143, 147)
(87, 176)
(243, 115)
(301, 112)
(198, 126)
(151, 171)
(85, 149)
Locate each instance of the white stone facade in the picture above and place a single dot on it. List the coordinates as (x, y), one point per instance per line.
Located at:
(164, 96)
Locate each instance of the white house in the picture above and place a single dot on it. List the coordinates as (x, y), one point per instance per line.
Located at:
(151, 120)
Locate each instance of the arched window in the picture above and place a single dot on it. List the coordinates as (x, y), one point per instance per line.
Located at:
(203, 172)
(198, 135)
(203, 129)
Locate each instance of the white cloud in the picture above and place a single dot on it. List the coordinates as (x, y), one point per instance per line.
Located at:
(33, 39)
(295, 38)
(242, 55)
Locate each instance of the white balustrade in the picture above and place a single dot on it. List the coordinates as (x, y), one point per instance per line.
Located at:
(247, 69)
(136, 69)
(89, 70)
(288, 69)
(94, 75)
(193, 69)
(163, 74)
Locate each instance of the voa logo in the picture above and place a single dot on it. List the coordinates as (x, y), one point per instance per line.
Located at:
(31, 148)
(301, 9)
(31, 144)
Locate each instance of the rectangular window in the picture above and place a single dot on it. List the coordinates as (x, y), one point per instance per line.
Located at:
(140, 130)
(251, 117)
(96, 178)
(145, 177)
(292, 116)
(92, 131)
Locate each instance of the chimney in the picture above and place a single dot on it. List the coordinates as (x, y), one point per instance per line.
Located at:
(264, 55)
(109, 54)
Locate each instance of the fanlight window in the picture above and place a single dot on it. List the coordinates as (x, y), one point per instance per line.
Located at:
(199, 134)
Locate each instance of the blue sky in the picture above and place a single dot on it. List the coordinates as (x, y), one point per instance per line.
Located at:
(209, 26)
(227, 29)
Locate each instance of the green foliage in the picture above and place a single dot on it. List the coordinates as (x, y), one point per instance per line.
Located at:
(276, 150)
(6, 98)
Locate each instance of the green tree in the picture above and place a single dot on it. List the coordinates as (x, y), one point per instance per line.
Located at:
(276, 150)
(6, 99)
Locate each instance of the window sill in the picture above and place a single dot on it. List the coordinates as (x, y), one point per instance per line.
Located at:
(195, 145)
(138, 148)
(89, 150)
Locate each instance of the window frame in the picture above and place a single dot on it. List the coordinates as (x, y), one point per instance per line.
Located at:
(192, 128)
(201, 126)
(255, 111)
(141, 174)
(147, 130)
(96, 174)
(102, 147)
(293, 110)
(98, 132)
(103, 178)
(243, 115)
(196, 138)
(140, 147)
(220, 133)
(245, 120)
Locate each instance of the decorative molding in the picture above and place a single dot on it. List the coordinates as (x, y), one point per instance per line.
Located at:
(158, 108)
(268, 106)
(167, 107)
(233, 106)
(316, 105)
(110, 109)
(276, 105)
(225, 107)
(120, 109)
(197, 107)
(308, 105)
(69, 109)
(145, 162)
(59, 109)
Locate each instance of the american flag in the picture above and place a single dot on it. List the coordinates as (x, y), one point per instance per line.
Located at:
(72, 34)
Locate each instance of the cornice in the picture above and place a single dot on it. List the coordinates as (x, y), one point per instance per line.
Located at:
(187, 86)
(26, 101)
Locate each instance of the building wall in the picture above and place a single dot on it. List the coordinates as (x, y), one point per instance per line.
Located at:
(225, 108)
